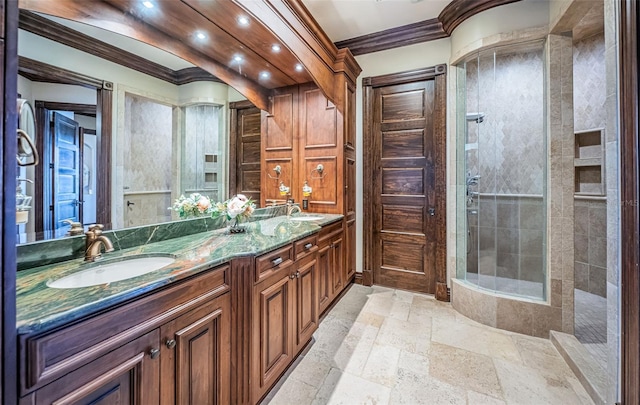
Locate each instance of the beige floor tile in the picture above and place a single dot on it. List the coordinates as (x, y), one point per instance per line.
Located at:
(413, 363)
(369, 318)
(347, 389)
(585, 399)
(311, 371)
(423, 307)
(464, 369)
(382, 365)
(400, 310)
(294, 392)
(523, 385)
(410, 336)
(476, 398)
(479, 339)
(354, 351)
(413, 389)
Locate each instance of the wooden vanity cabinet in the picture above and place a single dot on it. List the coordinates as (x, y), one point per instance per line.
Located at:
(172, 346)
(331, 277)
(284, 313)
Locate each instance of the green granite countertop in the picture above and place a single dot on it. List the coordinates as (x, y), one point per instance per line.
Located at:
(41, 308)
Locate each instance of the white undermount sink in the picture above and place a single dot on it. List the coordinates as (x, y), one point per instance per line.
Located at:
(305, 218)
(112, 272)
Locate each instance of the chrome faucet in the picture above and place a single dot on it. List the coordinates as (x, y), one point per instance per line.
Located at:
(94, 241)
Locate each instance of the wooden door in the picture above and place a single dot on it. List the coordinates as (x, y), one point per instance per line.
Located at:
(245, 129)
(272, 332)
(66, 173)
(195, 361)
(127, 375)
(306, 308)
(404, 206)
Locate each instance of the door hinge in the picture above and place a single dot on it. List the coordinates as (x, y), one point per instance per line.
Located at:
(51, 208)
(50, 165)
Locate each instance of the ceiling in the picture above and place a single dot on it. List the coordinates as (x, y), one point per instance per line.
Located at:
(345, 19)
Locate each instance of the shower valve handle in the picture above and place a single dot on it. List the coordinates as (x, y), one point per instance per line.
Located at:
(432, 211)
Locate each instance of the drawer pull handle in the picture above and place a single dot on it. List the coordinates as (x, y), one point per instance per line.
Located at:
(154, 353)
(276, 261)
(308, 246)
(170, 343)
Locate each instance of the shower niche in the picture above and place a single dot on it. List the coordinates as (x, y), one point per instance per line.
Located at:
(589, 162)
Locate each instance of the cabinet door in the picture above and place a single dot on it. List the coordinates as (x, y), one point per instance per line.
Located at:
(325, 288)
(271, 334)
(196, 365)
(306, 308)
(337, 261)
(127, 375)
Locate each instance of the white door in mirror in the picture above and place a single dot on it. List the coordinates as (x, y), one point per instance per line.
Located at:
(112, 272)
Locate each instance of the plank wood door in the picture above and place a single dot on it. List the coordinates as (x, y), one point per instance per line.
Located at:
(405, 198)
(67, 173)
(246, 131)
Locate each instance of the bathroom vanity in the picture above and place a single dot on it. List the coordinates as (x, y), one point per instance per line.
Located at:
(219, 325)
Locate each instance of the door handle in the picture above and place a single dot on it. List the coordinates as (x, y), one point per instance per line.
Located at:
(129, 203)
(432, 211)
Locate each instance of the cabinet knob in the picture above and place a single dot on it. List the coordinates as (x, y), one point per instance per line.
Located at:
(297, 274)
(292, 276)
(170, 343)
(154, 353)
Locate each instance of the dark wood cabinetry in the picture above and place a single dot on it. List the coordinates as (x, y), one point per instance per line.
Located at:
(127, 375)
(167, 348)
(331, 274)
(195, 356)
(285, 313)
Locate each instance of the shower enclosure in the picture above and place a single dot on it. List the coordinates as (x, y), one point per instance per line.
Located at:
(501, 173)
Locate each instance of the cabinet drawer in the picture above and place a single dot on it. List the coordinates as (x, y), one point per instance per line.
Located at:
(49, 356)
(329, 232)
(306, 246)
(273, 262)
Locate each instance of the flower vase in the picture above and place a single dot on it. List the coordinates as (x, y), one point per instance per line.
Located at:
(235, 226)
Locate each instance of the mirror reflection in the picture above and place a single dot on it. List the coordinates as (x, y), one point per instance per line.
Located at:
(166, 138)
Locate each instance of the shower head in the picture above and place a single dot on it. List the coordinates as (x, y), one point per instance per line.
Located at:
(478, 117)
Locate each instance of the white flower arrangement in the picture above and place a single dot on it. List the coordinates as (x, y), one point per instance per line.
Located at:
(196, 205)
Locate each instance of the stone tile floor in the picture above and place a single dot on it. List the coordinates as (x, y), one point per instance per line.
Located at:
(591, 324)
(384, 346)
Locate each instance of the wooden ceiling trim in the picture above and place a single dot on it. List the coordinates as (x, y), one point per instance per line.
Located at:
(102, 15)
(428, 30)
(410, 34)
(37, 71)
(255, 36)
(49, 29)
(219, 45)
(288, 28)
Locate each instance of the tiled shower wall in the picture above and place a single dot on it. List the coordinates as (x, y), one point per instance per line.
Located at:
(147, 178)
(590, 214)
(506, 218)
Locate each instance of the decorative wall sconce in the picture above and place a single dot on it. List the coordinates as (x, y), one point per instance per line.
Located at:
(320, 172)
(278, 170)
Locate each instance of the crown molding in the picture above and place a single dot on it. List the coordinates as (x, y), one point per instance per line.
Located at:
(428, 30)
(49, 29)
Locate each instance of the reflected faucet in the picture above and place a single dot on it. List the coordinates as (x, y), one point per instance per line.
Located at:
(94, 241)
(292, 208)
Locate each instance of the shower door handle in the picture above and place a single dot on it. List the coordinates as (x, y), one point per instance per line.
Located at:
(432, 211)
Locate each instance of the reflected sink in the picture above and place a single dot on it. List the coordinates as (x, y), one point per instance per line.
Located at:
(112, 272)
(305, 218)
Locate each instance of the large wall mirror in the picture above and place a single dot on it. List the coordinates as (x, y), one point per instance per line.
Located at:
(169, 135)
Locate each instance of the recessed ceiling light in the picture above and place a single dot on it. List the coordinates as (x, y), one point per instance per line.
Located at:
(201, 35)
(264, 75)
(237, 58)
(147, 4)
(242, 20)
(299, 67)
(275, 48)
